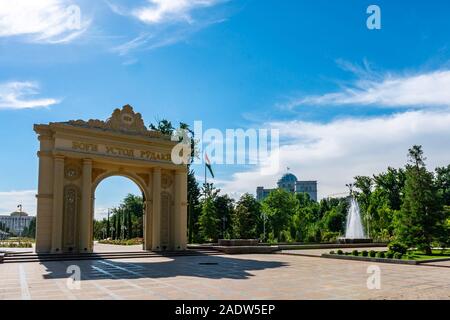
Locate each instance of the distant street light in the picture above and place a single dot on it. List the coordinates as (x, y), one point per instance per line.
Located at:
(264, 217)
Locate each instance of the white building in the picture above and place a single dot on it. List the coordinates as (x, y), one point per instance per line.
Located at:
(16, 222)
(290, 183)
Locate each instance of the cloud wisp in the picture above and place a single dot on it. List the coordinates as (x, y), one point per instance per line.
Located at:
(335, 152)
(42, 21)
(21, 95)
(429, 89)
(165, 23)
(162, 11)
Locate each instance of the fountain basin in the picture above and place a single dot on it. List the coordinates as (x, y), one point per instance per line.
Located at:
(348, 240)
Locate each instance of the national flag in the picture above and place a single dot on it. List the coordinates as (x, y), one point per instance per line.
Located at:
(208, 165)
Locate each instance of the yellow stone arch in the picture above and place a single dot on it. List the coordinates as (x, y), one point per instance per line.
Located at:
(75, 156)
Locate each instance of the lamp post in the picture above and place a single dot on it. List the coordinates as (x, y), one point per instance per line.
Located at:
(224, 221)
(350, 187)
(264, 217)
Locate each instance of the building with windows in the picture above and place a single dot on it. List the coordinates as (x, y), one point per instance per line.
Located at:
(290, 183)
(16, 222)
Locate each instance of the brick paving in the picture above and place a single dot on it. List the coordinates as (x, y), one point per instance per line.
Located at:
(222, 277)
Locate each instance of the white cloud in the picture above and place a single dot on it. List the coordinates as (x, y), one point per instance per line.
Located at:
(42, 21)
(9, 200)
(162, 11)
(419, 90)
(19, 95)
(335, 152)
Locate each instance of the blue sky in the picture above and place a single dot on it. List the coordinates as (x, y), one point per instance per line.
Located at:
(347, 100)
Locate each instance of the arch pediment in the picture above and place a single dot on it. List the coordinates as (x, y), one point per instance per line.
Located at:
(124, 120)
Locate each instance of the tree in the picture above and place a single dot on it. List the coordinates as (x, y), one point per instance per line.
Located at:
(224, 207)
(443, 183)
(194, 208)
(132, 208)
(280, 206)
(334, 220)
(245, 217)
(208, 221)
(30, 231)
(421, 218)
(391, 184)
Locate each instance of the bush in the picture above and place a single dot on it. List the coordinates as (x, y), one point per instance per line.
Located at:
(355, 252)
(398, 255)
(389, 255)
(19, 244)
(396, 246)
(348, 253)
(340, 252)
(332, 252)
(372, 253)
(330, 236)
(380, 254)
(365, 253)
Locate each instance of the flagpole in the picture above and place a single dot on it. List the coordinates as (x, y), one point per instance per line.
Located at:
(205, 174)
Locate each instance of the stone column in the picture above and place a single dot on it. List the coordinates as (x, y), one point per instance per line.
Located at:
(86, 206)
(148, 218)
(58, 203)
(181, 210)
(156, 209)
(44, 214)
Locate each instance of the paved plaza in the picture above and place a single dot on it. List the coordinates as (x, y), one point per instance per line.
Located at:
(273, 276)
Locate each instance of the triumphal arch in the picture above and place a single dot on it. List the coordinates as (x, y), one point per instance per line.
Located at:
(75, 156)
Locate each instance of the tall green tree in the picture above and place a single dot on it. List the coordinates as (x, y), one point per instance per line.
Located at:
(280, 206)
(208, 221)
(443, 183)
(391, 184)
(194, 207)
(224, 207)
(245, 217)
(421, 218)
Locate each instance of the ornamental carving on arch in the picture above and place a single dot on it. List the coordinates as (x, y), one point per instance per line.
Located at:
(72, 172)
(166, 180)
(123, 120)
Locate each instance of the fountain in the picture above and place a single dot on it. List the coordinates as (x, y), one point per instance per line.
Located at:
(354, 231)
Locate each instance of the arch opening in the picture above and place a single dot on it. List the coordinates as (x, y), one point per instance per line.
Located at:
(118, 213)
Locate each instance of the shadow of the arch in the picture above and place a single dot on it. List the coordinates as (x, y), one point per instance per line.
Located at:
(201, 266)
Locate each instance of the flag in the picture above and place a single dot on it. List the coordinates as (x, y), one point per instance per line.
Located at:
(208, 165)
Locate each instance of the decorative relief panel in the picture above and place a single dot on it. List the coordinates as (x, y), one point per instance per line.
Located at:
(165, 219)
(71, 208)
(166, 180)
(72, 172)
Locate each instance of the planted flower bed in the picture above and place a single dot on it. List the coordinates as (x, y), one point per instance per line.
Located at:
(122, 242)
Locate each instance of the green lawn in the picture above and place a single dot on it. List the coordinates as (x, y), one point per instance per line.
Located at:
(418, 255)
